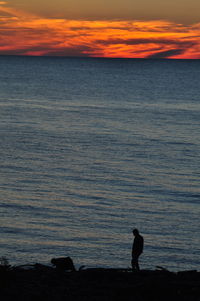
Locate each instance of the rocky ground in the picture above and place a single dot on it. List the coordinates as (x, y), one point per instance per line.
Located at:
(45, 283)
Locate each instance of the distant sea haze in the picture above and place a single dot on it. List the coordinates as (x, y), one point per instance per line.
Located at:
(92, 148)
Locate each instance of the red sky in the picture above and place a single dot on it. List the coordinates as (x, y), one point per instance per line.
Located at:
(25, 31)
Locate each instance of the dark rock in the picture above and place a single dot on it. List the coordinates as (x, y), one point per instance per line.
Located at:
(63, 263)
(43, 282)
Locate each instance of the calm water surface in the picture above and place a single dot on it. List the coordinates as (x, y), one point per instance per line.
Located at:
(89, 149)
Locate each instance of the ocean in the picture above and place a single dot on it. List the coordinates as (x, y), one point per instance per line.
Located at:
(92, 148)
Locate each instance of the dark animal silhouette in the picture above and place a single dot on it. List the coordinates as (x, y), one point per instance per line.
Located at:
(63, 264)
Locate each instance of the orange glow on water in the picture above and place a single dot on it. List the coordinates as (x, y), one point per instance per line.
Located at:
(25, 34)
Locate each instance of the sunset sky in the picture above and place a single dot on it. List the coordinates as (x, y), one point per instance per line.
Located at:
(100, 28)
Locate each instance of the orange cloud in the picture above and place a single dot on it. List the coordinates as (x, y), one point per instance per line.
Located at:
(25, 34)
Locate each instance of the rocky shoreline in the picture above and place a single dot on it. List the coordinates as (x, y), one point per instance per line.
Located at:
(28, 283)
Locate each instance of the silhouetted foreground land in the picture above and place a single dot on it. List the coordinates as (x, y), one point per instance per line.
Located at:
(46, 283)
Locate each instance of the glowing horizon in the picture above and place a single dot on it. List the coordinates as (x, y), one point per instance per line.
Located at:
(24, 33)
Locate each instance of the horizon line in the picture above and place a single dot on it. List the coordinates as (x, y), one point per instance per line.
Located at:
(99, 57)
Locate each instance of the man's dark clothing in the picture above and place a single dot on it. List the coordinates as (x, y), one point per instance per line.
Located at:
(137, 250)
(138, 245)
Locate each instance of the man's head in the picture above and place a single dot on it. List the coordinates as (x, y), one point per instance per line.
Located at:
(135, 232)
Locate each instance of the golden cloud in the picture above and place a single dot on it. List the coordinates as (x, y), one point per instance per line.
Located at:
(25, 34)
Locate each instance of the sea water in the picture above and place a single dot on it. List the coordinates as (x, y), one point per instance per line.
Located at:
(92, 148)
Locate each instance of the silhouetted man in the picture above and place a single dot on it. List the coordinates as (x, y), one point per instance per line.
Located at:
(137, 249)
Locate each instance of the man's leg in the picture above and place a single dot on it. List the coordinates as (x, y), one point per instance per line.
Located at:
(134, 263)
